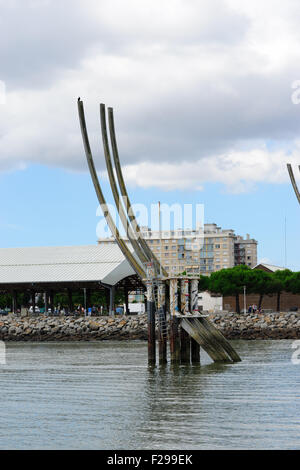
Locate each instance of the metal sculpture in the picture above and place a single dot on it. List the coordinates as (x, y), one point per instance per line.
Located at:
(148, 252)
(293, 181)
(194, 329)
(122, 245)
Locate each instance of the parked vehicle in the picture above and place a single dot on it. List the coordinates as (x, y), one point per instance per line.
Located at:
(3, 312)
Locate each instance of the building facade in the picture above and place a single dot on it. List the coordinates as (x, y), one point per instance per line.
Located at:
(210, 248)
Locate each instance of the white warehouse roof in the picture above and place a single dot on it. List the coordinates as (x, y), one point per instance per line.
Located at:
(104, 263)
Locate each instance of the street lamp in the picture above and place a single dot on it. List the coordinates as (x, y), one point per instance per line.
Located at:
(244, 299)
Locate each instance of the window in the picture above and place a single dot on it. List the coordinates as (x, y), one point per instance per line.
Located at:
(217, 246)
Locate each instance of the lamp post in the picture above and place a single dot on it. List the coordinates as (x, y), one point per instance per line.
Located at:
(244, 299)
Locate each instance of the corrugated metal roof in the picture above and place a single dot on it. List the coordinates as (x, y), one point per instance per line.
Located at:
(271, 267)
(99, 262)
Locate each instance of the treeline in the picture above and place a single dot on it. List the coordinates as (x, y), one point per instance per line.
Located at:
(231, 282)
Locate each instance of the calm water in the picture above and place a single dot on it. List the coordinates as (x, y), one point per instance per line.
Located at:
(103, 396)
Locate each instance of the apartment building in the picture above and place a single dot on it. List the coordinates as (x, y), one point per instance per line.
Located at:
(210, 248)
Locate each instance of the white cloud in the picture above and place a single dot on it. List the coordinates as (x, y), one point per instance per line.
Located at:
(201, 90)
(239, 171)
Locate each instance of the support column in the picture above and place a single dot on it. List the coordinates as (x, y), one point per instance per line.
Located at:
(107, 298)
(14, 303)
(33, 302)
(174, 331)
(51, 296)
(195, 347)
(70, 300)
(126, 300)
(162, 323)
(185, 343)
(112, 300)
(88, 299)
(46, 302)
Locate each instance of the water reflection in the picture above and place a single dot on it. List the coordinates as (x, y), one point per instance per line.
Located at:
(104, 396)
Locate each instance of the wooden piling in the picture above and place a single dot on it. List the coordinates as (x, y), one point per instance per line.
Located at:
(151, 325)
(185, 342)
(195, 352)
(195, 347)
(174, 330)
(221, 339)
(162, 323)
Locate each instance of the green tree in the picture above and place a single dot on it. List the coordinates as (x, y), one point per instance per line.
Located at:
(231, 281)
(281, 280)
(292, 283)
(203, 283)
(5, 300)
(263, 284)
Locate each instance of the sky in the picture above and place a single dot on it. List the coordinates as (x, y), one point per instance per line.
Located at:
(206, 96)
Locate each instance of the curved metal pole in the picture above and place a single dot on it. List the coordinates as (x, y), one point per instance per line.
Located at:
(149, 253)
(128, 255)
(114, 188)
(293, 181)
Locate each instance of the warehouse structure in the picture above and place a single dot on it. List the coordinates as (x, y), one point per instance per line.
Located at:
(56, 269)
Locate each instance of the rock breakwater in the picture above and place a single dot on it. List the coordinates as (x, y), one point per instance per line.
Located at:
(233, 326)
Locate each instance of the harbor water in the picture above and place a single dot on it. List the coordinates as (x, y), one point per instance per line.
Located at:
(102, 395)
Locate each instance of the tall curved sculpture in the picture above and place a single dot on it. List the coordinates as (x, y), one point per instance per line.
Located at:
(114, 188)
(293, 181)
(110, 222)
(148, 252)
(128, 219)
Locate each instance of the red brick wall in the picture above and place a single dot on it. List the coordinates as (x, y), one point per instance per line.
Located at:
(287, 301)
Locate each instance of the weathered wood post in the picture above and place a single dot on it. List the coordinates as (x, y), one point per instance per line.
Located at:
(174, 331)
(162, 323)
(195, 347)
(151, 316)
(185, 343)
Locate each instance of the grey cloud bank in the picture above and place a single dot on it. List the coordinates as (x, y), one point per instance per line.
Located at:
(205, 82)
